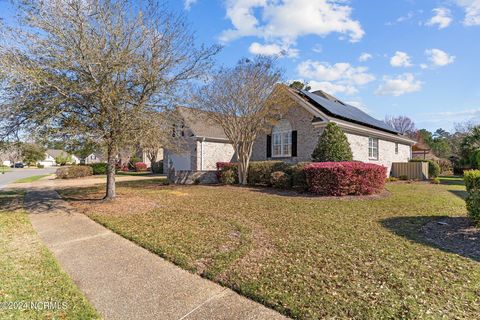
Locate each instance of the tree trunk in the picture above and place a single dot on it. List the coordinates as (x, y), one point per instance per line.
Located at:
(111, 192)
(244, 152)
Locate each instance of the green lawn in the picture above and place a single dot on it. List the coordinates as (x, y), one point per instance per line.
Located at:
(4, 169)
(29, 272)
(306, 257)
(31, 179)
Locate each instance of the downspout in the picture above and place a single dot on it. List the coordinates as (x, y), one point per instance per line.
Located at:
(201, 153)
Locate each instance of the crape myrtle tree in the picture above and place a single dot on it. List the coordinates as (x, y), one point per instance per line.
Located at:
(244, 100)
(92, 69)
(332, 146)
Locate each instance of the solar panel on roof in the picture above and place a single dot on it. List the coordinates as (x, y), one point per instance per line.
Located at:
(347, 112)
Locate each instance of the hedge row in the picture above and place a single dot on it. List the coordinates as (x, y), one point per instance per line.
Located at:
(472, 183)
(74, 172)
(323, 178)
(345, 178)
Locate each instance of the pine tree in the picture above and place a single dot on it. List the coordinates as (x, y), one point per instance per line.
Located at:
(332, 146)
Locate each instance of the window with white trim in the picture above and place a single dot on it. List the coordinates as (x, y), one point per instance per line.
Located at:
(282, 139)
(373, 148)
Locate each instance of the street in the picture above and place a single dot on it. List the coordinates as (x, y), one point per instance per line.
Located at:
(16, 174)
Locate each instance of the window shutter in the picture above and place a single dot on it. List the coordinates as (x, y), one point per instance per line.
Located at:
(269, 146)
(294, 143)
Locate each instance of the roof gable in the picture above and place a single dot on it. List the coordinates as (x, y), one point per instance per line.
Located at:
(200, 123)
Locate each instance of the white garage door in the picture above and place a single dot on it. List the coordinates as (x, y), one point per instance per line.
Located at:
(181, 161)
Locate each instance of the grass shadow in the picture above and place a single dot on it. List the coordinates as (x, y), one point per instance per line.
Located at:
(452, 180)
(462, 194)
(449, 234)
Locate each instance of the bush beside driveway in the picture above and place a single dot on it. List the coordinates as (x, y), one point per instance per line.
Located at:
(307, 257)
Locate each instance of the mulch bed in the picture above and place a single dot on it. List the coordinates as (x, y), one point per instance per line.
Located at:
(454, 234)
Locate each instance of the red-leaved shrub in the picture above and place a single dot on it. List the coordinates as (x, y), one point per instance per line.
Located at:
(345, 178)
(221, 166)
(140, 166)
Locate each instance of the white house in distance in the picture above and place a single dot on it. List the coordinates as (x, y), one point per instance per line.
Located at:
(51, 154)
(294, 137)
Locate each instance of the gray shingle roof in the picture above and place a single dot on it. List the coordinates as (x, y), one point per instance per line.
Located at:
(200, 124)
(337, 109)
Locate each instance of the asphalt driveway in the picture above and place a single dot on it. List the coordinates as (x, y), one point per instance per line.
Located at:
(16, 174)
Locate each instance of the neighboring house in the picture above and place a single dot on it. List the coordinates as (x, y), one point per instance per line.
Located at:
(421, 151)
(51, 154)
(203, 143)
(143, 155)
(295, 135)
(95, 157)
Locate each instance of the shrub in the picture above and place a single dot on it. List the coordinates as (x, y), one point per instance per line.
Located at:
(228, 176)
(445, 166)
(436, 180)
(140, 167)
(40, 166)
(332, 146)
(403, 177)
(298, 178)
(74, 172)
(157, 167)
(132, 161)
(221, 166)
(472, 180)
(99, 168)
(473, 206)
(259, 172)
(345, 178)
(280, 180)
(433, 167)
(392, 179)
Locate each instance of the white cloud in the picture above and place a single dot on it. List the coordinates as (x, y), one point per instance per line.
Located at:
(285, 21)
(472, 11)
(272, 50)
(340, 77)
(364, 57)
(317, 48)
(439, 58)
(399, 85)
(187, 4)
(442, 18)
(400, 59)
(332, 88)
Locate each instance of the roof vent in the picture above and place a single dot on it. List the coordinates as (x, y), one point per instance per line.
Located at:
(327, 96)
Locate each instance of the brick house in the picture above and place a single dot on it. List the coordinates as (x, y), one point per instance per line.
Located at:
(294, 136)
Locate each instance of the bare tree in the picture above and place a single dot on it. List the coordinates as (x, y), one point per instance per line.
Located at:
(158, 134)
(91, 69)
(244, 100)
(402, 124)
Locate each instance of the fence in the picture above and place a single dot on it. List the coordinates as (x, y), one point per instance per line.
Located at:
(411, 170)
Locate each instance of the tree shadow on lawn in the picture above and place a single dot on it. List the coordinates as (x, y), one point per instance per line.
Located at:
(462, 194)
(450, 234)
(306, 194)
(79, 193)
(452, 180)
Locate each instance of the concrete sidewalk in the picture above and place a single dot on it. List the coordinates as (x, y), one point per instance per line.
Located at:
(125, 281)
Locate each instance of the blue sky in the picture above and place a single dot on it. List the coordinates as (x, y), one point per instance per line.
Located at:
(418, 58)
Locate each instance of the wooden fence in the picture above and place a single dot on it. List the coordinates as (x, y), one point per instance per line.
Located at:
(412, 170)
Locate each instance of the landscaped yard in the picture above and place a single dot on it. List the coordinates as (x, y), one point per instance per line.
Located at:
(29, 272)
(307, 257)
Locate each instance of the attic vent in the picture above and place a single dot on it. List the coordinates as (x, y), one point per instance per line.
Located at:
(325, 95)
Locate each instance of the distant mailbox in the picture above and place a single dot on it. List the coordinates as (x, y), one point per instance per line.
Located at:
(412, 170)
